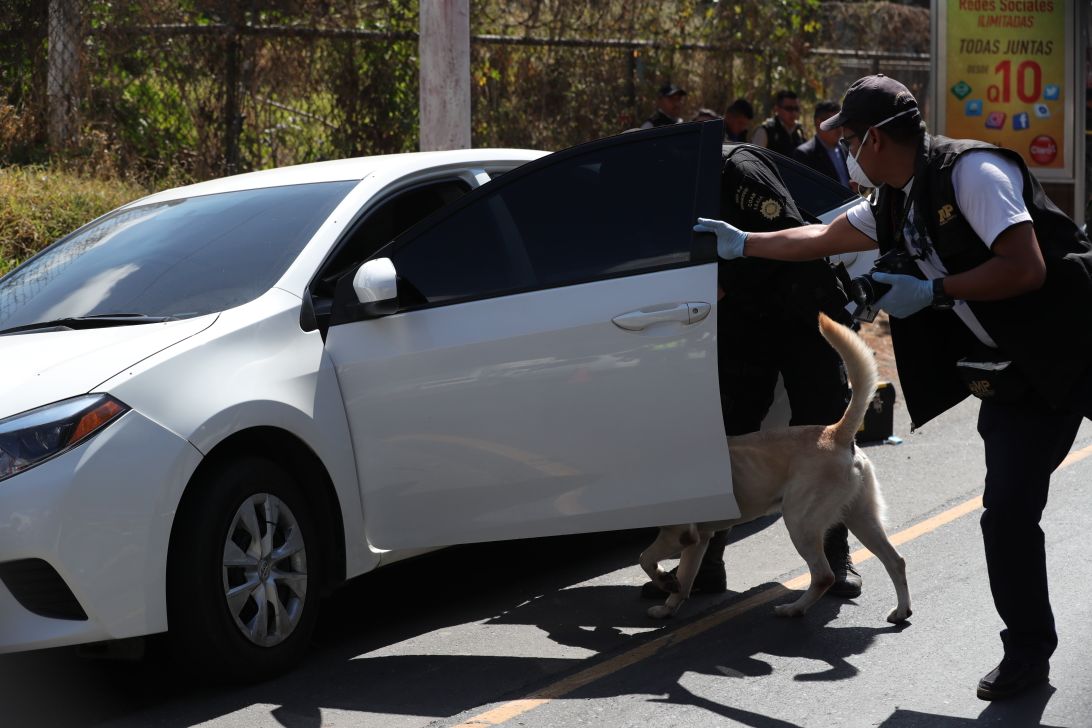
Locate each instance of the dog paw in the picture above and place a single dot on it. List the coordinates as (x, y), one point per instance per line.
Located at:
(660, 612)
(788, 610)
(898, 616)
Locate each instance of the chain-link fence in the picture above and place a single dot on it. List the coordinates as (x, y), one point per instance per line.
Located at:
(208, 87)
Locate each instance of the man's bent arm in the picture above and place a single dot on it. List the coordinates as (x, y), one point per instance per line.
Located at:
(808, 242)
(1016, 267)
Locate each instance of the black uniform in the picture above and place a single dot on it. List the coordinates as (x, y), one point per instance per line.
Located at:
(768, 318)
(659, 119)
(1047, 334)
(768, 324)
(780, 140)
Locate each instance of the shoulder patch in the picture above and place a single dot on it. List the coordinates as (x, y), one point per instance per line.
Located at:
(770, 209)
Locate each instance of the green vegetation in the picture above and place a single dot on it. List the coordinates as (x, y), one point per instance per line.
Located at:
(202, 89)
(40, 204)
(168, 92)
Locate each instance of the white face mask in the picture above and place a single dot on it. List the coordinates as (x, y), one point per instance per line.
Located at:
(855, 172)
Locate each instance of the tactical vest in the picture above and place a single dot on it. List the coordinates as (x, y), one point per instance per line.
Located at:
(1047, 333)
(659, 118)
(754, 198)
(780, 140)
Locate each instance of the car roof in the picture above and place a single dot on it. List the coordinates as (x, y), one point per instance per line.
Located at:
(346, 170)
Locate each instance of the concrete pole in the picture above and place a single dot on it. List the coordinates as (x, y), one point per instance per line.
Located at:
(444, 52)
(62, 78)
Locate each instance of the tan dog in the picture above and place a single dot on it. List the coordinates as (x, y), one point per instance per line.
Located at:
(815, 476)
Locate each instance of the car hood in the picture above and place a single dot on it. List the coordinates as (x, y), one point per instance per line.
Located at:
(40, 367)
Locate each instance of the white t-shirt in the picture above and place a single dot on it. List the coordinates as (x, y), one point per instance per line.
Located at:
(989, 215)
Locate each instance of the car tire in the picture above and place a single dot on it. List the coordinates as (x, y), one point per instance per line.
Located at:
(243, 575)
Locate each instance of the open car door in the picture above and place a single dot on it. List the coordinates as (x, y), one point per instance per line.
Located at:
(550, 365)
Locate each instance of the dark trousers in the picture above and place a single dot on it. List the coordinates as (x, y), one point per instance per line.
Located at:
(811, 370)
(1024, 444)
(753, 351)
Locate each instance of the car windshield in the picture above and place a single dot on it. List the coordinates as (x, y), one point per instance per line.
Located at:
(174, 259)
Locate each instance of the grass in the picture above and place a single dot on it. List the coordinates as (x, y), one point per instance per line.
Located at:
(40, 204)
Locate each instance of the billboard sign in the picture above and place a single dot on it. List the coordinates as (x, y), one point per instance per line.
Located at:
(1005, 75)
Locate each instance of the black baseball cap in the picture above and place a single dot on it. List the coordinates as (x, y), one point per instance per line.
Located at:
(870, 100)
(670, 89)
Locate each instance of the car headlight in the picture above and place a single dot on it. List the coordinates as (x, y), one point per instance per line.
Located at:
(30, 438)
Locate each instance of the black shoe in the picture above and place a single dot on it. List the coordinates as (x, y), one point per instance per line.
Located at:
(710, 580)
(847, 581)
(1013, 676)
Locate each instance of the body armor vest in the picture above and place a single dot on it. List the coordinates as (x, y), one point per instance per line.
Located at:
(780, 140)
(1047, 333)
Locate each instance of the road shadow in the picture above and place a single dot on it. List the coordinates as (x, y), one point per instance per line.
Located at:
(370, 614)
(1024, 710)
(358, 664)
(729, 651)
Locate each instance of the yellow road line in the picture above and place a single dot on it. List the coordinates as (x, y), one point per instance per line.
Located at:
(513, 708)
(1076, 456)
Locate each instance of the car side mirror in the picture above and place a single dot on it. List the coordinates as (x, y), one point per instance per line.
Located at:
(376, 287)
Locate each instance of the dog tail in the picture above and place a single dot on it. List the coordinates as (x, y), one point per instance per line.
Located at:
(861, 370)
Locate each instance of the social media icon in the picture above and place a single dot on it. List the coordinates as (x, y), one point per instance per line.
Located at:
(961, 90)
(972, 107)
(1042, 111)
(995, 120)
(1021, 121)
(1052, 92)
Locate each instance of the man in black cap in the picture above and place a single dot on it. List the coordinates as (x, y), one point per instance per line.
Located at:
(737, 120)
(668, 107)
(996, 301)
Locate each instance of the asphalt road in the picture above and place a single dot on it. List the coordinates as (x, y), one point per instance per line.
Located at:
(551, 632)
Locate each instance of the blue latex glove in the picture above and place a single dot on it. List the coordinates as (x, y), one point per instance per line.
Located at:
(907, 296)
(730, 239)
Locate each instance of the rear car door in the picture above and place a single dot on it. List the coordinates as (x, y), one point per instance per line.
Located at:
(552, 365)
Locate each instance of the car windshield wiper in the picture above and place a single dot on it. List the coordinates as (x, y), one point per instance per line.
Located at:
(98, 321)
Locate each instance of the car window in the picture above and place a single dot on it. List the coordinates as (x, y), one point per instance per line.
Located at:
(813, 192)
(383, 224)
(614, 207)
(180, 258)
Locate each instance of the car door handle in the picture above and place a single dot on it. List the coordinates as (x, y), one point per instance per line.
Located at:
(685, 313)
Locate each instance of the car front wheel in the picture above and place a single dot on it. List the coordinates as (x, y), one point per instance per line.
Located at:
(243, 573)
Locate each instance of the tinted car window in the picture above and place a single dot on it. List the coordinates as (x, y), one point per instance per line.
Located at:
(813, 192)
(601, 210)
(180, 258)
(382, 225)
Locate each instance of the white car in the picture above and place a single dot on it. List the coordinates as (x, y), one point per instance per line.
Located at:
(220, 401)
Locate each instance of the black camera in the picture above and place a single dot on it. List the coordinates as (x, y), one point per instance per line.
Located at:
(866, 291)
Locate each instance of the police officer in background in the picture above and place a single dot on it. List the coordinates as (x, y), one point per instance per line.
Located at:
(767, 325)
(737, 120)
(996, 300)
(781, 132)
(669, 105)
